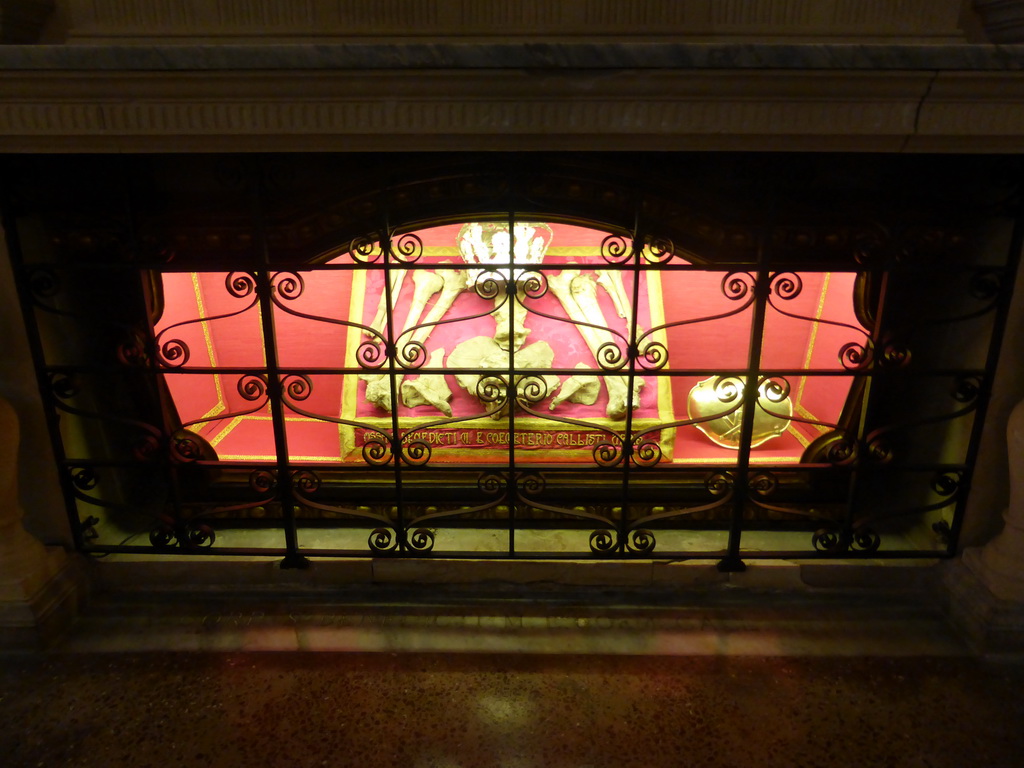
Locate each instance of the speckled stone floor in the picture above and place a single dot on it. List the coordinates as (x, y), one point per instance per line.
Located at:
(295, 710)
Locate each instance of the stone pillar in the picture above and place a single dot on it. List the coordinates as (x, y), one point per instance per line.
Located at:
(38, 584)
(1000, 563)
(987, 587)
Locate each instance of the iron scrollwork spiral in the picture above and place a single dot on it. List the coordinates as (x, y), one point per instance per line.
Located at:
(491, 483)
(421, 540)
(737, 285)
(174, 353)
(894, 355)
(305, 482)
(762, 483)
(407, 248)
(263, 481)
(240, 284)
(377, 451)
(490, 284)
(372, 354)
(946, 483)
(492, 391)
(659, 250)
(854, 356)
(841, 450)
(834, 540)
(43, 283)
(288, 285)
(297, 386)
(146, 448)
(879, 449)
(609, 453)
(200, 535)
(986, 285)
(163, 536)
(786, 285)
(646, 453)
(602, 541)
(187, 534)
(653, 356)
(412, 355)
(64, 386)
(531, 484)
(615, 249)
(365, 250)
(185, 448)
(966, 388)
(720, 484)
(415, 452)
(83, 478)
(382, 540)
(133, 352)
(252, 386)
(533, 283)
(611, 357)
(531, 389)
(641, 541)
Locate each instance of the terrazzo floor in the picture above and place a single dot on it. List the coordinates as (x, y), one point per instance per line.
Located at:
(294, 710)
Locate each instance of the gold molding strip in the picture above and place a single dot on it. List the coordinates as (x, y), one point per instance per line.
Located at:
(201, 307)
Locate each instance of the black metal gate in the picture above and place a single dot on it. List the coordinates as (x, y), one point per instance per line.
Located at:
(643, 392)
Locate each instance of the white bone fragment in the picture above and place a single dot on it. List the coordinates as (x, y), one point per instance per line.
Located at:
(577, 389)
(578, 296)
(452, 283)
(483, 353)
(429, 389)
(427, 284)
(378, 390)
(503, 305)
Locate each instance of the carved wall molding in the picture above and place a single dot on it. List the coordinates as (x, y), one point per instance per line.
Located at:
(400, 109)
(95, 20)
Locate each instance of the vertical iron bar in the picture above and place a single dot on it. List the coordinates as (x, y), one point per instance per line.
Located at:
(264, 292)
(854, 494)
(762, 286)
(631, 351)
(512, 295)
(171, 473)
(392, 345)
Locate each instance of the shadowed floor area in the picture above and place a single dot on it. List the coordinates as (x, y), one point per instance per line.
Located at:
(386, 709)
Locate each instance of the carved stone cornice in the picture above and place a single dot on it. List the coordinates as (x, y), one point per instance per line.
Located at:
(447, 110)
(148, 21)
(57, 108)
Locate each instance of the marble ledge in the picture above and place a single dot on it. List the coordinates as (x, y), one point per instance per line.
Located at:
(513, 55)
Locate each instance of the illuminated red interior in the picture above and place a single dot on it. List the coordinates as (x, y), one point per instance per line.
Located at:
(210, 403)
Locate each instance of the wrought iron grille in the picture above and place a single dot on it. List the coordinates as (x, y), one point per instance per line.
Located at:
(533, 383)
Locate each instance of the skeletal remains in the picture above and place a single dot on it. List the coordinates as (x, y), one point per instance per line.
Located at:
(575, 291)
